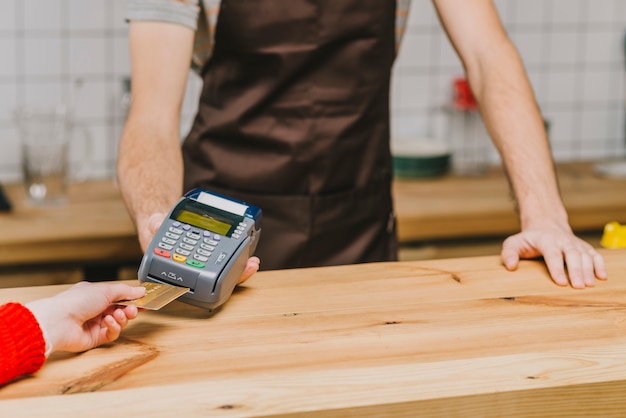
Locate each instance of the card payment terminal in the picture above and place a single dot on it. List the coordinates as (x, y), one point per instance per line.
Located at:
(204, 244)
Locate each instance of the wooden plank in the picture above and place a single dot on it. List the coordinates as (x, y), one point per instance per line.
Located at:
(438, 338)
(93, 209)
(67, 373)
(563, 383)
(455, 206)
(18, 277)
(94, 226)
(467, 247)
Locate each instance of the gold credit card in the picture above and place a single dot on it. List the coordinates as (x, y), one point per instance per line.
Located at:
(157, 295)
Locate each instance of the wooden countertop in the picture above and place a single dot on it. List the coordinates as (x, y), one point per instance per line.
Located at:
(438, 338)
(95, 227)
(453, 207)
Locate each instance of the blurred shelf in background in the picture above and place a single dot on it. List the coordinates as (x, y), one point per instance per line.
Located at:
(91, 236)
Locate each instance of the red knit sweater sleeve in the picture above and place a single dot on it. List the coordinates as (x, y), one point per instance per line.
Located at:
(22, 346)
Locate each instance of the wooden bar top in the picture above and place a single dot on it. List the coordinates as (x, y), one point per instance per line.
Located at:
(438, 338)
(94, 226)
(453, 206)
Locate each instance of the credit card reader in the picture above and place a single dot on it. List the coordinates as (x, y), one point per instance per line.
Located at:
(203, 244)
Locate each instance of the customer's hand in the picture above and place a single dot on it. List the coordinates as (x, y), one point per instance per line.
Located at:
(85, 315)
(149, 228)
(559, 248)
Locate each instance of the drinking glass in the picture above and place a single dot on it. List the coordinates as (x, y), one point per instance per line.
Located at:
(46, 136)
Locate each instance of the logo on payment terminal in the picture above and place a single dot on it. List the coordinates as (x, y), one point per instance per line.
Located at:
(172, 276)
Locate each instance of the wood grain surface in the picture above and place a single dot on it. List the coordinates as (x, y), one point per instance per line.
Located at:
(453, 207)
(67, 373)
(441, 338)
(94, 227)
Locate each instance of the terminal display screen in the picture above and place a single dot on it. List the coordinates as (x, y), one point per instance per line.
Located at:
(203, 221)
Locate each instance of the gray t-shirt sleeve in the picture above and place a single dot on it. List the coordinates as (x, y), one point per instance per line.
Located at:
(184, 12)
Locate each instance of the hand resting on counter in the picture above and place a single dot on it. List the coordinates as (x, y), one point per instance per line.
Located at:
(569, 259)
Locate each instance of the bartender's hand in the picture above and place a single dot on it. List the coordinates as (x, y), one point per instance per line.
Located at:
(514, 121)
(559, 248)
(85, 315)
(151, 227)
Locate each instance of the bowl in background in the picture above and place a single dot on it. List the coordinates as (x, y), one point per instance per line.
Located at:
(420, 158)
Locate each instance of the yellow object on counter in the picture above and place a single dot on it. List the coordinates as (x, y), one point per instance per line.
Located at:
(614, 236)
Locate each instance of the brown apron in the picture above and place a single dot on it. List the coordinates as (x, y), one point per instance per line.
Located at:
(294, 118)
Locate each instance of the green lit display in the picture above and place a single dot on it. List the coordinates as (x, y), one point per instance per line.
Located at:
(204, 222)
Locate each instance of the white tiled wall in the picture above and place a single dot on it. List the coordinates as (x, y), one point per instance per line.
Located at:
(45, 47)
(573, 51)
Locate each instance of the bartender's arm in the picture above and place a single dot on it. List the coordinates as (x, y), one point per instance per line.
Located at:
(508, 107)
(150, 163)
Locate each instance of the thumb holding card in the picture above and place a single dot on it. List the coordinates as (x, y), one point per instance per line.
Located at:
(157, 296)
(85, 315)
